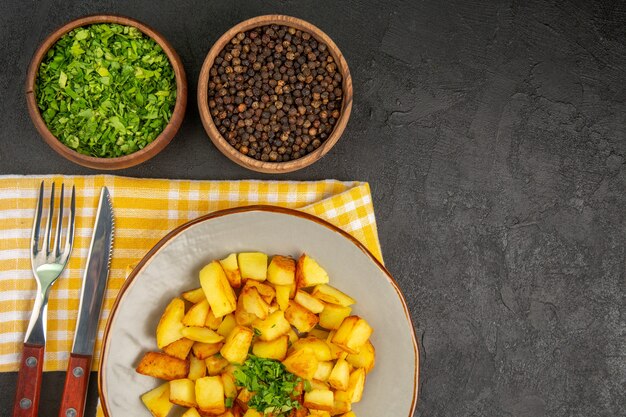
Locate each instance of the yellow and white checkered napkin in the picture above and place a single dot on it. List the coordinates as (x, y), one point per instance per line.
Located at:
(145, 210)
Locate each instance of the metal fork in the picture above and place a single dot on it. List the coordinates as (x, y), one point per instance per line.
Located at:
(47, 264)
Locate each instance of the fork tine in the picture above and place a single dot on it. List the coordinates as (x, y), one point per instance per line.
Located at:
(49, 222)
(34, 239)
(57, 241)
(69, 238)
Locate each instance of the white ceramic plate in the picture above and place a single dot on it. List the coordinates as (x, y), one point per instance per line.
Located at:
(172, 266)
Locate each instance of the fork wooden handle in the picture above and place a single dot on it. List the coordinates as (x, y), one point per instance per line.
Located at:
(29, 382)
(76, 384)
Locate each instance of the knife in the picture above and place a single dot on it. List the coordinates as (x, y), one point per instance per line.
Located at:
(92, 294)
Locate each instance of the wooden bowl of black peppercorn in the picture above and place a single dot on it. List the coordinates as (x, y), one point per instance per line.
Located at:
(274, 94)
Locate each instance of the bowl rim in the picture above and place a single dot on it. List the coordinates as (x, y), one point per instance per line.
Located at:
(126, 161)
(236, 210)
(222, 144)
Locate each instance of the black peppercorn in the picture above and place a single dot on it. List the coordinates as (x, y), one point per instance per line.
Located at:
(275, 93)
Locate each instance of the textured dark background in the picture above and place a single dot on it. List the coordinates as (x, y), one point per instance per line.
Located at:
(493, 136)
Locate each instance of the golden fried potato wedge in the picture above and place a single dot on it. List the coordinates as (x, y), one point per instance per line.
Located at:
(202, 335)
(300, 318)
(162, 366)
(309, 273)
(275, 349)
(158, 400)
(237, 343)
(210, 395)
(302, 363)
(194, 296)
(169, 328)
(282, 270)
(319, 400)
(216, 364)
(323, 371)
(204, 350)
(282, 296)
(227, 325)
(340, 375)
(213, 322)
(267, 292)
(309, 302)
(230, 385)
(332, 295)
(231, 269)
(332, 315)
(196, 316)
(342, 403)
(197, 368)
(253, 303)
(352, 334)
(314, 345)
(183, 392)
(273, 327)
(179, 349)
(366, 358)
(253, 265)
(217, 289)
(191, 412)
(356, 385)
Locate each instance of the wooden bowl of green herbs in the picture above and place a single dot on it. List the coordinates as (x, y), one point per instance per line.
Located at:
(106, 92)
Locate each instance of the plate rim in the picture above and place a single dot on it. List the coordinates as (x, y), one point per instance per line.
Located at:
(238, 210)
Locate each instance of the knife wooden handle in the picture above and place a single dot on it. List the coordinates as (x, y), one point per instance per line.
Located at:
(76, 384)
(29, 382)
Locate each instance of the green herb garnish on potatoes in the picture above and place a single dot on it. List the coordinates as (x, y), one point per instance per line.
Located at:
(106, 90)
(275, 390)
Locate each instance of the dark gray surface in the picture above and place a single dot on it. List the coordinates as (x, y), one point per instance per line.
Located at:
(493, 136)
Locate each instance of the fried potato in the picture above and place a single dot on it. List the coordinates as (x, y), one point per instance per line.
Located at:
(253, 303)
(216, 364)
(158, 400)
(342, 403)
(267, 292)
(217, 289)
(302, 363)
(356, 385)
(162, 366)
(332, 315)
(197, 368)
(202, 335)
(210, 395)
(194, 296)
(366, 358)
(332, 295)
(319, 400)
(309, 302)
(180, 348)
(300, 318)
(191, 412)
(282, 270)
(204, 350)
(282, 296)
(340, 375)
(352, 334)
(309, 272)
(213, 322)
(273, 327)
(314, 345)
(230, 386)
(275, 349)
(237, 343)
(323, 371)
(169, 328)
(253, 265)
(231, 269)
(182, 392)
(196, 316)
(227, 325)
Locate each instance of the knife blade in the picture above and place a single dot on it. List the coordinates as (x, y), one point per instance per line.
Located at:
(92, 296)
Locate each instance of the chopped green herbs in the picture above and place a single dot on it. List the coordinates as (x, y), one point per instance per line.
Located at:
(106, 90)
(274, 388)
